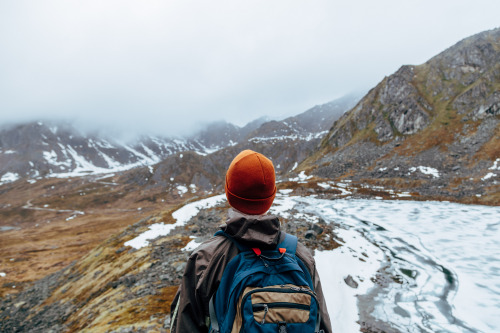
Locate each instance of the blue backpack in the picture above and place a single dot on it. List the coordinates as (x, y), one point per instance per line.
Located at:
(265, 291)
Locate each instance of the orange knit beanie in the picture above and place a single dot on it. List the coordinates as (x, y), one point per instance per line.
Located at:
(251, 183)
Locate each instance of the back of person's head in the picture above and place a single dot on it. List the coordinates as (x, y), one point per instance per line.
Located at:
(251, 183)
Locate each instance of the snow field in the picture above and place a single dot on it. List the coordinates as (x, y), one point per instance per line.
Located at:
(445, 253)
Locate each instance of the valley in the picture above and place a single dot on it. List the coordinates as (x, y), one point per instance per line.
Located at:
(71, 203)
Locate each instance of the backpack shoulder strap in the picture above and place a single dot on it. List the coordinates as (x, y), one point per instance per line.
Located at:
(241, 247)
(289, 243)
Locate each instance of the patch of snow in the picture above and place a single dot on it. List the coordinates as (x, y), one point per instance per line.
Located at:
(84, 167)
(343, 188)
(105, 144)
(495, 165)
(151, 154)
(193, 244)
(150, 169)
(51, 158)
(182, 189)
(144, 159)
(302, 177)
(324, 185)
(183, 214)
(181, 155)
(426, 170)
(208, 151)
(75, 214)
(9, 177)
(489, 175)
(193, 188)
(307, 216)
(155, 230)
(285, 191)
(106, 176)
(295, 165)
(282, 206)
(109, 160)
(10, 152)
(2, 274)
(382, 169)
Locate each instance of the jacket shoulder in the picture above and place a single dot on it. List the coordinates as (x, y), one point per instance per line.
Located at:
(211, 248)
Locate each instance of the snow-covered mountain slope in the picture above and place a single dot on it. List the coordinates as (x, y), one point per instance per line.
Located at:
(38, 149)
(41, 149)
(311, 124)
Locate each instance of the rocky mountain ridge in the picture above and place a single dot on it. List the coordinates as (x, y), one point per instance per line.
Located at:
(433, 127)
(37, 149)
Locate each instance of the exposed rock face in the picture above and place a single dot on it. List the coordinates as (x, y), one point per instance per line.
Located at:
(443, 114)
(403, 105)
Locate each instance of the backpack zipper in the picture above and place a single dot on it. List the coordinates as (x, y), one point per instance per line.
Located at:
(257, 307)
(266, 310)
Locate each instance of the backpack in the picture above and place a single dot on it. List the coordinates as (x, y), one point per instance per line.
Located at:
(265, 291)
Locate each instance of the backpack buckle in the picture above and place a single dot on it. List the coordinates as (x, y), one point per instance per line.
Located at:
(282, 327)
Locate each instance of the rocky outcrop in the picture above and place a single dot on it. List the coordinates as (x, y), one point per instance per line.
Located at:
(442, 115)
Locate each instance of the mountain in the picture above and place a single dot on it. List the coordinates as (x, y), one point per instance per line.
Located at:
(433, 128)
(36, 150)
(315, 121)
(286, 142)
(39, 149)
(50, 217)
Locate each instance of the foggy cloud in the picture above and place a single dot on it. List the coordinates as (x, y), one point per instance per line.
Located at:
(165, 66)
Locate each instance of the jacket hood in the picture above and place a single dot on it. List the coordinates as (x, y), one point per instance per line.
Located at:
(261, 231)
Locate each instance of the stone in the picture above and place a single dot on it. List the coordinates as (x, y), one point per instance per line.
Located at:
(317, 229)
(310, 234)
(350, 282)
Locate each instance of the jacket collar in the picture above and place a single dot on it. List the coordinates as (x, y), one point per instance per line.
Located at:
(261, 231)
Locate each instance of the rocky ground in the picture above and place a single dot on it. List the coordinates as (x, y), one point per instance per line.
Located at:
(116, 288)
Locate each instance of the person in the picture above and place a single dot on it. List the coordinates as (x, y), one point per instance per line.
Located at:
(250, 188)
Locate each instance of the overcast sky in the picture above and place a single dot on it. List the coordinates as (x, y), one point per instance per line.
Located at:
(166, 66)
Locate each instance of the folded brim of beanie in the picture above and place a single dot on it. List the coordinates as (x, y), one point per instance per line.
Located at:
(250, 206)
